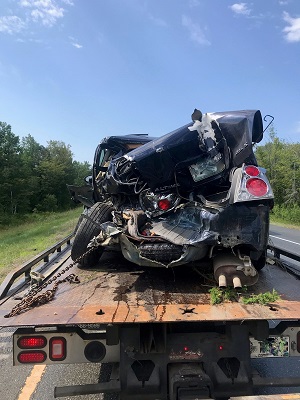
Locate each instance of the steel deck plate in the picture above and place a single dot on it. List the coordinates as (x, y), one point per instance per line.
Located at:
(120, 292)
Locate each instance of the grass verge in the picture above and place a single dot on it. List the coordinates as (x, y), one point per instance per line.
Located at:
(19, 244)
(280, 222)
(288, 217)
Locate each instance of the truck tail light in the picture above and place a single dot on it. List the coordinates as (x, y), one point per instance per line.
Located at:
(32, 357)
(32, 342)
(57, 348)
(52, 345)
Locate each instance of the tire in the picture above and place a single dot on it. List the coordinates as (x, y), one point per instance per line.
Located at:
(87, 229)
(260, 262)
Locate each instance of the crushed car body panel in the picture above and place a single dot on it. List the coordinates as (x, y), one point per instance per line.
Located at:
(193, 194)
(166, 160)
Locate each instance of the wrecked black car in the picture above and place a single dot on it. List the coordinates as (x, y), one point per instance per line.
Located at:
(194, 196)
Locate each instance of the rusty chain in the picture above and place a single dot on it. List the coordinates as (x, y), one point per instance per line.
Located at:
(34, 299)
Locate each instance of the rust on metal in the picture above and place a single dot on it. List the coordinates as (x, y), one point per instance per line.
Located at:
(119, 292)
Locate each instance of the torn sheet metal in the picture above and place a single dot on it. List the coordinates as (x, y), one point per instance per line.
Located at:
(178, 157)
(194, 225)
(193, 194)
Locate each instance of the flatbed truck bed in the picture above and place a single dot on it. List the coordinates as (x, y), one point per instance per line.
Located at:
(160, 330)
(120, 292)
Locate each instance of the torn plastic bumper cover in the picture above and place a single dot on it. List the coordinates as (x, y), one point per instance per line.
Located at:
(193, 230)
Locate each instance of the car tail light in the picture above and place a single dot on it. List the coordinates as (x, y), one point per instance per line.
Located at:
(164, 204)
(250, 183)
(257, 187)
(57, 349)
(32, 357)
(251, 170)
(158, 203)
(32, 342)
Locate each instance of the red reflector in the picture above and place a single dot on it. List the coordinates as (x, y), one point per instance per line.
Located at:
(32, 357)
(257, 187)
(164, 204)
(186, 348)
(251, 170)
(32, 342)
(57, 349)
(221, 347)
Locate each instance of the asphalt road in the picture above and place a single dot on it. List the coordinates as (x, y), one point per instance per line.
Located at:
(287, 239)
(37, 383)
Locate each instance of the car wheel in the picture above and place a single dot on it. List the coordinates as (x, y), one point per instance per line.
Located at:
(260, 262)
(87, 229)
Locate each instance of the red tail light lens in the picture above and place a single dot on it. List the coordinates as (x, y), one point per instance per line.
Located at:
(32, 357)
(251, 170)
(32, 342)
(164, 204)
(257, 187)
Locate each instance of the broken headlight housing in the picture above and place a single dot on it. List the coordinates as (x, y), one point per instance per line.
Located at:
(156, 204)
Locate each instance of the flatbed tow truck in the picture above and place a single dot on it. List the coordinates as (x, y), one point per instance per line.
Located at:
(157, 327)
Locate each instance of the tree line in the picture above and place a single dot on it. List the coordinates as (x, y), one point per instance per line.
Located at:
(33, 177)
(282, 162)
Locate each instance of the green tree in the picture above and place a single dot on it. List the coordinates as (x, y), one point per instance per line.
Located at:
(10, 174)
(34, 177)
(292, 192)
(32, 154)
(55, 171)
(80, 171)
(281, 159)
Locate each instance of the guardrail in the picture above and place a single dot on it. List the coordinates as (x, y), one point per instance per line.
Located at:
(277, 251)
(26, 268)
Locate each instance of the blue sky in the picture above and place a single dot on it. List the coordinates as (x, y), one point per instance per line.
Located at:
(80, 70)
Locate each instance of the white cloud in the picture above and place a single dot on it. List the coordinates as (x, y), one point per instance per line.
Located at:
(283, 3)
(291, 32)
(45, 11)
(157, 21)
(77, 45)
(240, 8)
(196, 33)
(11, 24)
(194, 3)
